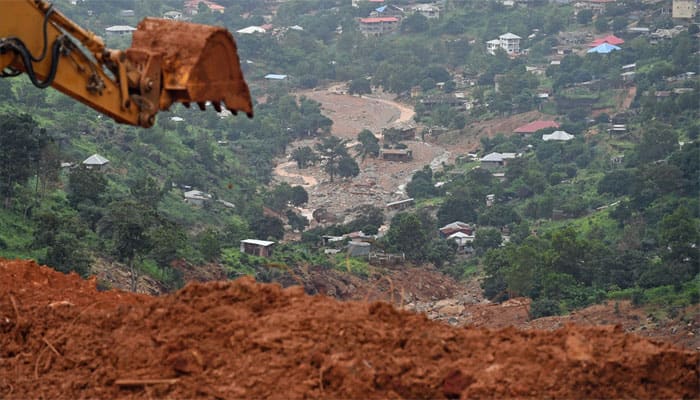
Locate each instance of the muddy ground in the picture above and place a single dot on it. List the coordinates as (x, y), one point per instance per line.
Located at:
(60, 338)
(379, 182)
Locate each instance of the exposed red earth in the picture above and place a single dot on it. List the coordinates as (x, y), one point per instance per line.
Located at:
(61, 338)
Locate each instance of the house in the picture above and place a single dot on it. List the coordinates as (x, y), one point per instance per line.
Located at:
(448, 99)
(535, 70)
(561, 136)
(454, 227)
(490, 200)
(120, 30)
(406, 130)
(597, 6)
(429, 11)
(492, 46)
(95, 161)
(509, 42)
(173, 15)
(416, 91)
(669, 33)
(377, 26)
(275, 77)
(359, 236)
(683, 9)
(610, 39)
(401, 204)
(628, 76)
(617, 128)
(604, 48)
(396, 154)
(356, 3)
(463, 240)
(255, 247)
(496, 160)
(226, 204)
(534, 126)
(574, 38)
(192, 6)
(387, 11)
(333, 241)
(638, 30)
(251, 29)
(359, 249)
(197, 197)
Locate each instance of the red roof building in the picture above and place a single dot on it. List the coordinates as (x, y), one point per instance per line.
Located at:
(612, 39)
(457, 226)
(377, 26)
(378, 20)
(192, 5)
(535, 126)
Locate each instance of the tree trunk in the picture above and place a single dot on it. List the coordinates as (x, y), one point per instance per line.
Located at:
(134, 276)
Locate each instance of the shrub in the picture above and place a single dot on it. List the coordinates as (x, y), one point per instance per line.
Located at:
(544, 308)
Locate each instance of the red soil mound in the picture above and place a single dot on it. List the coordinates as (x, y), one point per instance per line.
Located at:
(60, 338)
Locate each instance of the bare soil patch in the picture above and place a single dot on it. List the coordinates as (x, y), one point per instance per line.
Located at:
(379, 182)
(60, 338)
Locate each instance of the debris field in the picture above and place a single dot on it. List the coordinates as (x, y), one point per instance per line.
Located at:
(61, 338)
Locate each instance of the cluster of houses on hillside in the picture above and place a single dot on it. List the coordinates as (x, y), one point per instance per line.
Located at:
(387, 17)
(680, 10)
(496, 160)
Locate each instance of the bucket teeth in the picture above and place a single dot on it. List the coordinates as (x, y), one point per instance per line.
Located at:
(202, 105)
(187, 105)
(217, 106)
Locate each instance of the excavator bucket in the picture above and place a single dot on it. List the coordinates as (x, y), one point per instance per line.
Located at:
(199, 64)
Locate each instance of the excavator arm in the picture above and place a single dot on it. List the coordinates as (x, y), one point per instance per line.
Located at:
(168, 62)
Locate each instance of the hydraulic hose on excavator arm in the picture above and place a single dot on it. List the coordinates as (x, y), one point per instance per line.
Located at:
(168, 62)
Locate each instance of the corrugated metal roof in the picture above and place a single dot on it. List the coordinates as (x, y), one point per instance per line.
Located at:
(558, 135)
(95, 159)
(509, 36)
(257, 242)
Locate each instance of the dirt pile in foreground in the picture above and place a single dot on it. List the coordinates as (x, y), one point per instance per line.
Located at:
(60, 338)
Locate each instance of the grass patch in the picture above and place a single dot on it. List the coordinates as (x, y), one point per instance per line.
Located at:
(462, 270)
(352, 265)
(239, 264)
(431, 202)
(16, 236)
(667, 297)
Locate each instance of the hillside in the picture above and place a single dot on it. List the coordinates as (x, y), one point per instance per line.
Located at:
(499, 220)
(60, 338)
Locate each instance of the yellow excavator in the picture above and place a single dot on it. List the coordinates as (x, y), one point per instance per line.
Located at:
(168, 62)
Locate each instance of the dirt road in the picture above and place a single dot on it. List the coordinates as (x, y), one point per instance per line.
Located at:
(307, 180)
(406, 113)
(379, 182)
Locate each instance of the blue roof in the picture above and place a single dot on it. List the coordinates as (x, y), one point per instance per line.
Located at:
(275, 77)
(604, 48)
(380, 9)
